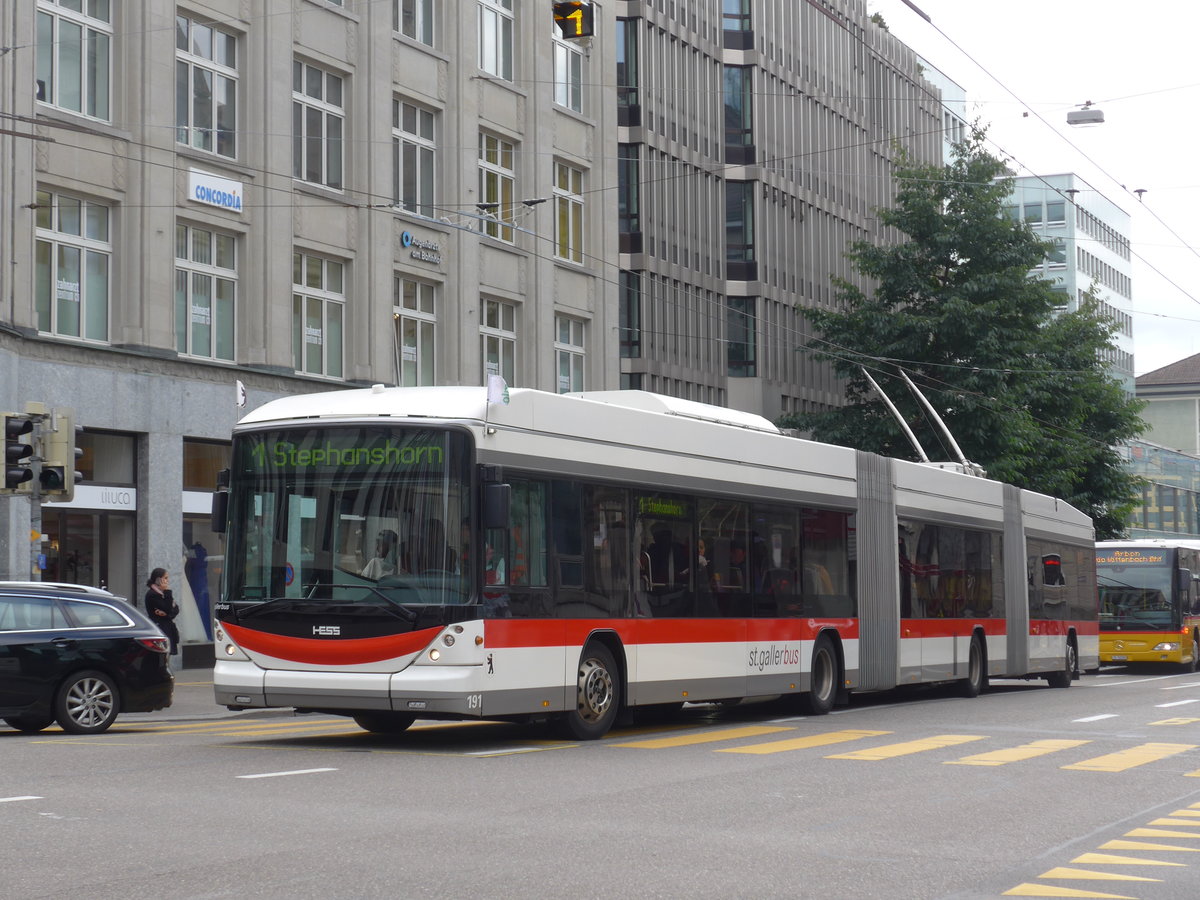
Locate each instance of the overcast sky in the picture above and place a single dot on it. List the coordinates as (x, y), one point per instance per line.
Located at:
(1026, 63)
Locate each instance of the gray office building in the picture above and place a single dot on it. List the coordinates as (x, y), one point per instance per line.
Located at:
(207, 205)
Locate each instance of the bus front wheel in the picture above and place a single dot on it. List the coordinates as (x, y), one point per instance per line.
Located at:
(597, 689)
(384, 722)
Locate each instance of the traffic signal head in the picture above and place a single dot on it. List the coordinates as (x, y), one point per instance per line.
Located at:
(17, 452)
(60, 452)
(575, 19)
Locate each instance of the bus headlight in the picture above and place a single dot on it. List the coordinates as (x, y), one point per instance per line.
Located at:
(1167, 645)
(448, 640)
(435, 654)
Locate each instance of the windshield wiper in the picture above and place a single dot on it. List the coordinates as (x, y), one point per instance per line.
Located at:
(403, 611)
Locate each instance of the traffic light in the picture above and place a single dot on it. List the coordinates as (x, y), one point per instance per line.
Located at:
(575, 19)
(17, 452)
(59, 452)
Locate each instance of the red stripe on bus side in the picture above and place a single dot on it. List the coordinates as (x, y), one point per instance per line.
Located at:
(330, 652)
(509, 633)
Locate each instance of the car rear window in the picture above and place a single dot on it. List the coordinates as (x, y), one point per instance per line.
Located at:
(94, 615)
(30, 614)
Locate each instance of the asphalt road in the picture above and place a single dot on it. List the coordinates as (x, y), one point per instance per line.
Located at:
(1026, 791)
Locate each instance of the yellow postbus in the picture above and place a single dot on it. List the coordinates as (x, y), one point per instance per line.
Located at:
(1149, 602)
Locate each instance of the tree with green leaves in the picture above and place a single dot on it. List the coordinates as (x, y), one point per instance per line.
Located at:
(1020, 383)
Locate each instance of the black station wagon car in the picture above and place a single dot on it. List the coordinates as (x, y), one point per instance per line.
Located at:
(78, 655)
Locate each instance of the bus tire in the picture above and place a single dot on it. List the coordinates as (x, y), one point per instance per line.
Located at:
(384, 722)
(972, 685)
(597, 689)
(1064, 677)
(1194, 665)
(823, 679)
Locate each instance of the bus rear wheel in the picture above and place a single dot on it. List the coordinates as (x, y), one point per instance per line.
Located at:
(1063, 677)
(384, 722)
(972, 685)
(823, 675)
(597, 689)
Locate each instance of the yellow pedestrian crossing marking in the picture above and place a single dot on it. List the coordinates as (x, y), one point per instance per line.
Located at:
(1089, 875)
(1142, 845)
(1128, 759)
(804, 743)
(1161, 833)
(1043, 890)
(890, 751)
(705, 737)
(1195, 823)
(1179, 721)
(1015, 754)
(1097, 859)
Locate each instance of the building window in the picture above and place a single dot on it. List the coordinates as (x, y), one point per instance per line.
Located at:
(739, 113)
(413, 150)
(568, 73)
(497, 186)
(414, 19)
(740, 349)
(318, 314)
(496, 37)
(1057, 257)
(1033, 213)
(735, 14)
(205, 87)
(628, 103)
(317, 123)
(630, 298)
(74, 41)
(72, 258)
(568, 212)
(416, 323)
(739, 230)
(569, 353)
(205, 292)
(498, 338)
(1056, 212)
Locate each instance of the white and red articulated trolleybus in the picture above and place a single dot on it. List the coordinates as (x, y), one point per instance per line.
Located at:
(404, 553)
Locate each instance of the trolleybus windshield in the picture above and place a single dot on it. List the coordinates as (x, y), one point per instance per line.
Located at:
(1136, 589)
(364, 516)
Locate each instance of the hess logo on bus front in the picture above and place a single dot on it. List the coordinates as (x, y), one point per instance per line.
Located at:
(327, 630)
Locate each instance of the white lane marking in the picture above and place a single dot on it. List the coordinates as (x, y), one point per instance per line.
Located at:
(1135, 681)
(1175, 687)
(293, 772)
(1097, 718)
(506, 751)
(11, 799)
(1177, 703)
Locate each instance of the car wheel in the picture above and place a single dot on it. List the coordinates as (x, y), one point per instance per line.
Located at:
(87, 703)
(28, 724)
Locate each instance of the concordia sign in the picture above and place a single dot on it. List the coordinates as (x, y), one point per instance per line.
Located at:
(213, 190)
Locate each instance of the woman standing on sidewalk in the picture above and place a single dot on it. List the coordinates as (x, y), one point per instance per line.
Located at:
(161, 605)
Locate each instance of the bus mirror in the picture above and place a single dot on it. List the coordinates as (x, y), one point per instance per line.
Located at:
(495, 505)
(1183, 581)
(220, 511)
